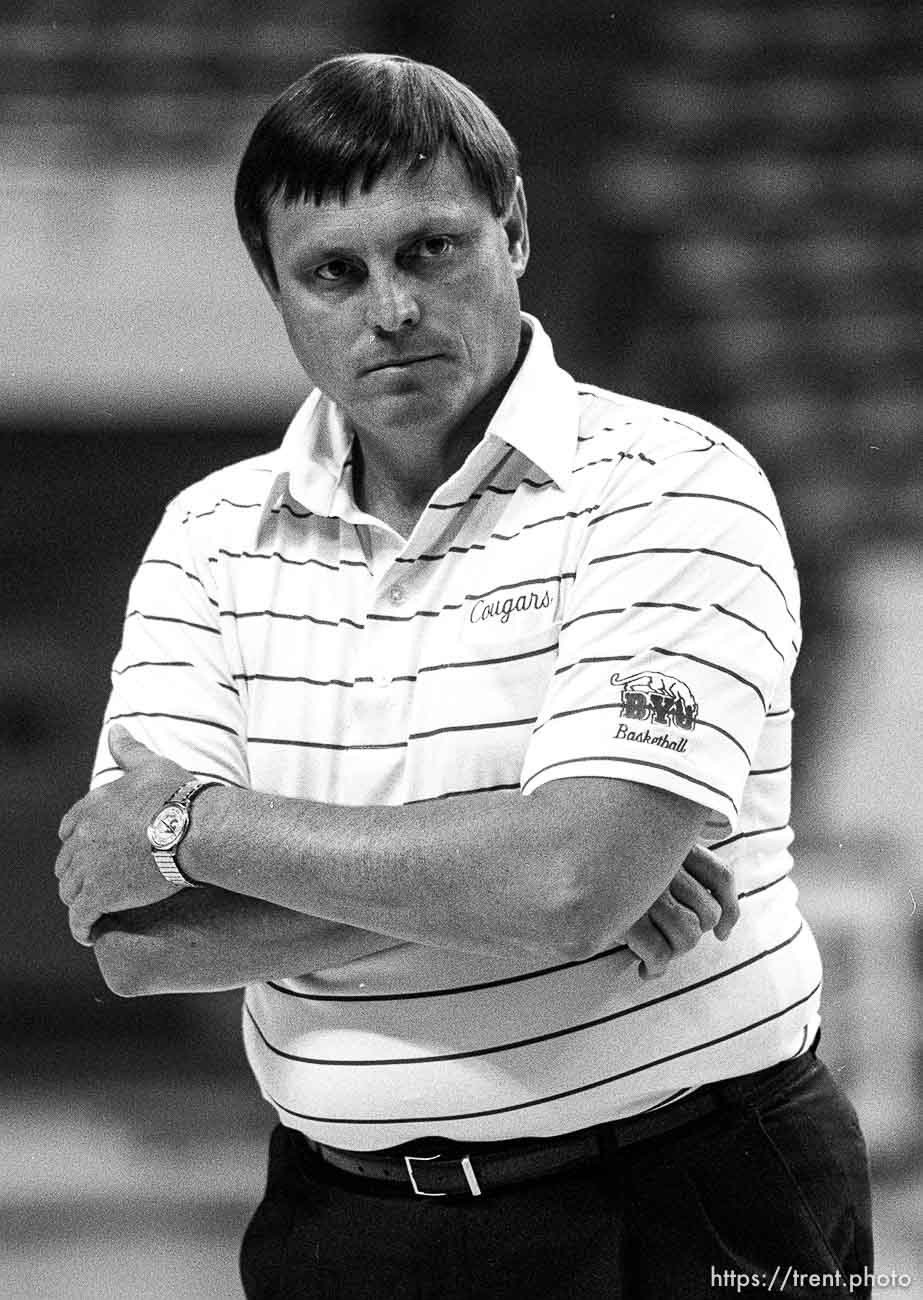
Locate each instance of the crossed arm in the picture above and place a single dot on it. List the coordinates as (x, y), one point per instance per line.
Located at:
(295, 886)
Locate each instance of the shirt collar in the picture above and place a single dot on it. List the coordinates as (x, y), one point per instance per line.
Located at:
(539, 414)
(538, 417)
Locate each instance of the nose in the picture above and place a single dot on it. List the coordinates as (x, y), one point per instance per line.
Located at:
(391, 306)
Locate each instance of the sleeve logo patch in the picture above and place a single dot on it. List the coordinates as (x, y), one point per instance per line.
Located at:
(655, 698)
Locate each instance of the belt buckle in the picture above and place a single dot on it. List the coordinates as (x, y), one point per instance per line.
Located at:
(466, 1167)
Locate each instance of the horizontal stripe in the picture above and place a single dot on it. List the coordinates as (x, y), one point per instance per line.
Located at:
(759, 889)
(433, 557)
(635, 455)
(222, 501)
(756, 628)
(287, 508)
(613, 460)
(240, 614)
(417, 613)
(175, 717)
(622, 510)
(197, 771)
(731, 501)
(567, 1092)
(749, 835)
(714, 443)
(540, 523)
(454, 991)
(770, 771)
(294, 680)
(323, 744)
(592, 659)
(428, 558)
(696, 550)
(494, 490)
(486, 663)
(710, 443)
(310, 562)
(172, 564)
(632, 762)
(458, 794)
(623, 609)
(166, 618)
(521, 1043)
(536, 581)
(152, 663)
(616, 704)
(471, 726)
(710, 663)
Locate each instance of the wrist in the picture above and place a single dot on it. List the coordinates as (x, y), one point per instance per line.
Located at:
(200, 854)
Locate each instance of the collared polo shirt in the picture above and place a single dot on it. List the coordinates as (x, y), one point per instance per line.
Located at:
(603, 588)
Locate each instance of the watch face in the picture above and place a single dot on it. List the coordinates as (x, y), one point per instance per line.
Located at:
(168, 827)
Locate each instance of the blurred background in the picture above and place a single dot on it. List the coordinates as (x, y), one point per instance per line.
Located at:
(724, 200)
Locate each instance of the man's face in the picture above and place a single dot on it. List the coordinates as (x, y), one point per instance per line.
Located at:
(402, 304)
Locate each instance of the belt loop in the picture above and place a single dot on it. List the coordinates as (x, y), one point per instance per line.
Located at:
(470, 1178)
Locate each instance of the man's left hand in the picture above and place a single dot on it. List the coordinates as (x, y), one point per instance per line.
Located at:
(105, 863)
(702, 896)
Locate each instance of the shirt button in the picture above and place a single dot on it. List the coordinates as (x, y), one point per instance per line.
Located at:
(397, 595)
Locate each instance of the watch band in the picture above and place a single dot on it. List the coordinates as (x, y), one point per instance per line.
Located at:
(165, 857)
(166, 865)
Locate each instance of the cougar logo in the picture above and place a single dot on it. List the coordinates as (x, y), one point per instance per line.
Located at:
(652, 697)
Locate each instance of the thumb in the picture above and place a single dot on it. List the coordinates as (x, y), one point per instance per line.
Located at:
(127, 752)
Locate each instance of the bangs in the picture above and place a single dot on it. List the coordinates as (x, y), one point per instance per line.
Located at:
(394, 123)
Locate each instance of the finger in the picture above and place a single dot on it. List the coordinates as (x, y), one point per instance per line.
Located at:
(68, 891)
(719, 880)
(127, 752)
(70, 820)
(679, 925)
(687, 890)
(650, 947)
(68, 888)
(81, 925)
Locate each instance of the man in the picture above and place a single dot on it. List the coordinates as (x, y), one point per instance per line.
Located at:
(473, 664)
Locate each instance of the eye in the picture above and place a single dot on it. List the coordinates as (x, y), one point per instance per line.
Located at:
(337, 269)
(431, 248)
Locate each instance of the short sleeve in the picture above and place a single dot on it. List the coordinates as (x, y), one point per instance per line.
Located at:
(680, 626)
(173, 685)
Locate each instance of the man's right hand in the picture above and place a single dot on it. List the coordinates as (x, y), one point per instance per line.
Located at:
(702, 896)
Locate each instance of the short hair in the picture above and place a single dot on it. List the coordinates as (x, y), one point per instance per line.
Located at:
(356, 116)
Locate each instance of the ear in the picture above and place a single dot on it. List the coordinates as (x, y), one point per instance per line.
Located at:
(516, 226)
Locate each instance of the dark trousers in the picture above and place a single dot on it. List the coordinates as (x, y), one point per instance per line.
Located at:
(768, 1195)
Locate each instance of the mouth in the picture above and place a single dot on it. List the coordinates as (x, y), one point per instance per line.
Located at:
(400, 363)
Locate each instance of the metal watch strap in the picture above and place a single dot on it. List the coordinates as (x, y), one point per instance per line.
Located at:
(165, 859)
(166, 865)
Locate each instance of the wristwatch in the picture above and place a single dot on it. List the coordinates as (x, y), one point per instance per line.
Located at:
(167, 830)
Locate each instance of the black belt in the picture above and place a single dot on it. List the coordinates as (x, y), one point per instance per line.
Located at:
(484, 1167)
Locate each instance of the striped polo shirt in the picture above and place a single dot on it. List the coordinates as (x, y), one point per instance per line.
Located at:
(604, 588)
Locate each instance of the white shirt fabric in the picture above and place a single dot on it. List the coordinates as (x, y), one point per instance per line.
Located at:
(604, 588)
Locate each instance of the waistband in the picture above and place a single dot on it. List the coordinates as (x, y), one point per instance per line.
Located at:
(448, 1168)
